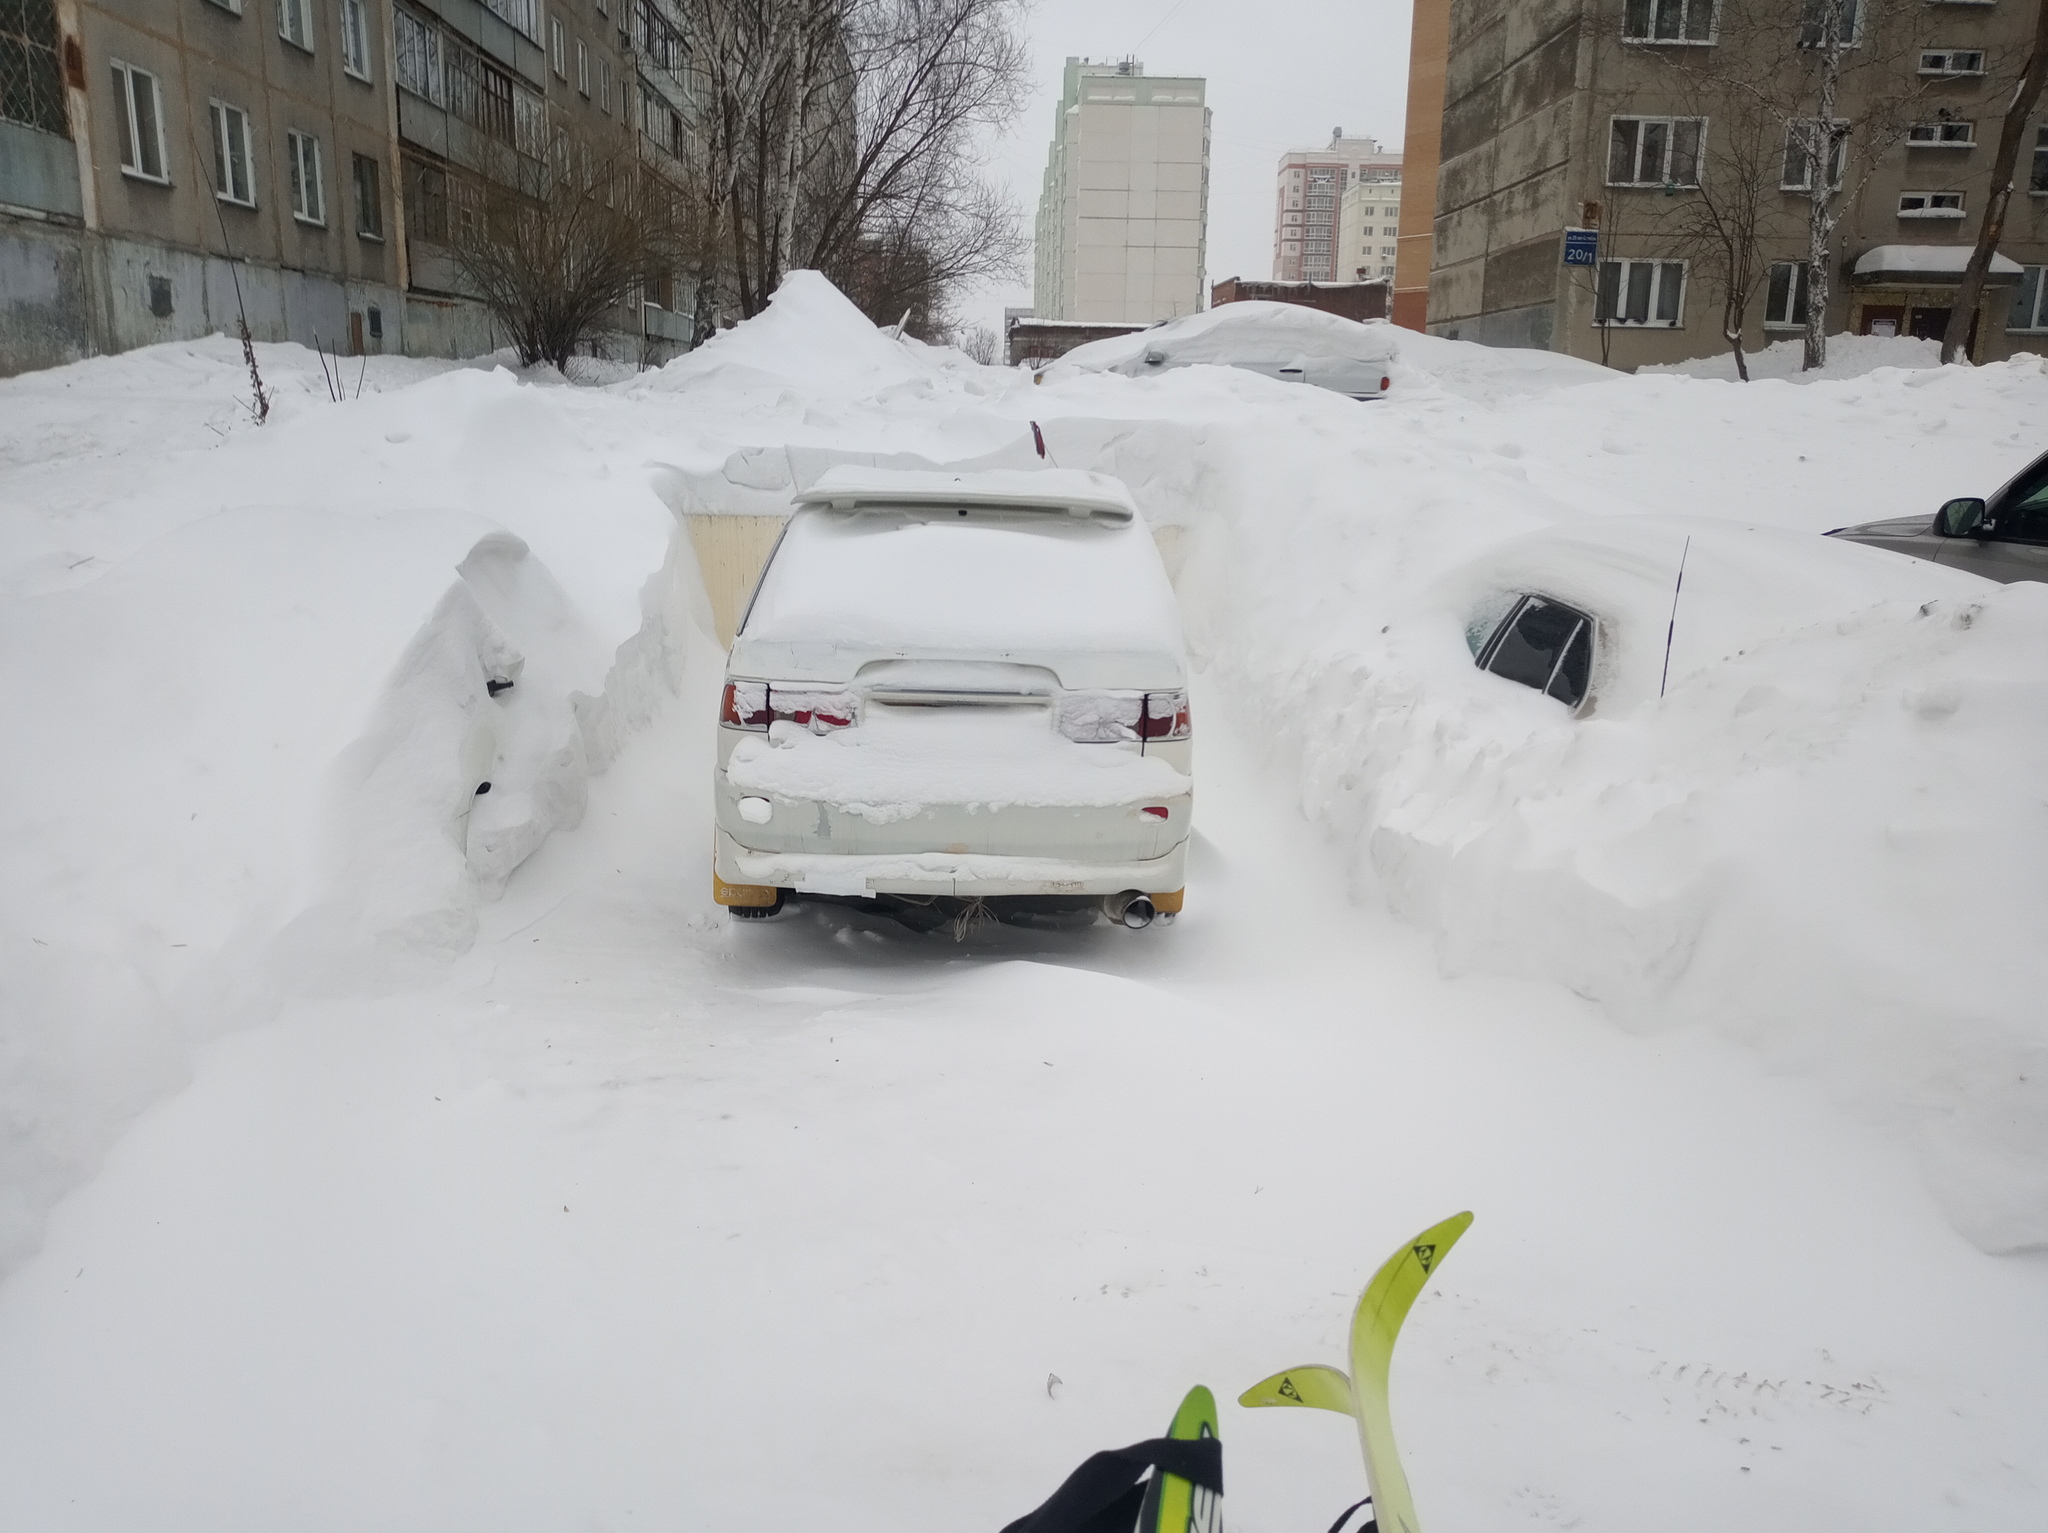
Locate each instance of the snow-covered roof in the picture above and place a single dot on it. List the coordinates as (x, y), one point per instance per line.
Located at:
(1927, 261)
(1073, 491)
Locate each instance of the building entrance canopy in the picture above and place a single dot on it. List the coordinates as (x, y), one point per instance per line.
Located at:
(1926, 266)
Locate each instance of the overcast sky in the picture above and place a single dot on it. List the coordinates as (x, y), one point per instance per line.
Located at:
(1281, 73)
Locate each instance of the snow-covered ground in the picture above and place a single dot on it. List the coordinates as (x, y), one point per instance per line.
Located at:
(380, 1155)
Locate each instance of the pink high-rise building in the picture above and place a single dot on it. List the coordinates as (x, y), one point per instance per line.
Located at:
(1310, 190)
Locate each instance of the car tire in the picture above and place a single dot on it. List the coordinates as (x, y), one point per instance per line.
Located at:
(758, 912)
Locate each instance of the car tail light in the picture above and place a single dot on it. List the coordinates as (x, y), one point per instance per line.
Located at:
(757, 704)
(1101, 718)
(1156, 812)
(1166, 717)
(1385, 384)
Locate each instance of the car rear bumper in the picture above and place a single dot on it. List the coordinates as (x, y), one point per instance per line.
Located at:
(981, 874)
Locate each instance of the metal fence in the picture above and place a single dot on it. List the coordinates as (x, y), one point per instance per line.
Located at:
(31, 83)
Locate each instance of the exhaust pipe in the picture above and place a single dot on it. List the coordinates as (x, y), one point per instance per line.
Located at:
(1131, 908)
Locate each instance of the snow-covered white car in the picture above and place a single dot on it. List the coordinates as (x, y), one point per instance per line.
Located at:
(1285, 341)
(953, 689)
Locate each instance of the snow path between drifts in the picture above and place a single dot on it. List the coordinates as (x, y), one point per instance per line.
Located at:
(590, 1233)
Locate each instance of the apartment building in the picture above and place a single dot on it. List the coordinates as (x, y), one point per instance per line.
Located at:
(1429, 35)
(1609, 116)
(1368, 228)
(1307, 194)
(1122, 227)
(170, 166)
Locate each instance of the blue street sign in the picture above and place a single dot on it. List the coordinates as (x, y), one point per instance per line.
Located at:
(1581, 247)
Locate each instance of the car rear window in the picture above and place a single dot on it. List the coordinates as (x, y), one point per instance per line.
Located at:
(1544, 645)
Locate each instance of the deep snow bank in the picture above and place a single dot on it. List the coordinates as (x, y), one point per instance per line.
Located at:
(256, 681)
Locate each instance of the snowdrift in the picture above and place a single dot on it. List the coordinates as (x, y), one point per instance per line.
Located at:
(258, 682)
(255, 679)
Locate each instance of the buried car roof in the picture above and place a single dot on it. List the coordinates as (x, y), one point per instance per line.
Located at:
(1744, 586)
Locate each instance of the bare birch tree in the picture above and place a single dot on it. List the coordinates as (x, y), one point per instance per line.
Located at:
(1730, 222)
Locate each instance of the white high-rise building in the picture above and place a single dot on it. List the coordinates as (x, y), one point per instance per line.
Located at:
(1123, 219)
(1310, 188)
(1368, 221)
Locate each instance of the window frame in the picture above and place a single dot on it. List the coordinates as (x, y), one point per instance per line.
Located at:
(1650, 10)
(1668, 155)
(375, 202)
(1951, 73)
(1853, 40)
(2037, 174)
(2032, 287)
(1932, 209)
(354, 16)
(425, 40)
(558, 47)
(129, 139)
(217, 112)
(1798, 294)
(1941, 127)
(604, 85)
(1838, 170)
(582, 69)
(303, 10)
(1584, 622)
(309, 191)
(1653, 297)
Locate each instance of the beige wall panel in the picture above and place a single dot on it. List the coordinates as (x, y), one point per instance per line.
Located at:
(731, 551)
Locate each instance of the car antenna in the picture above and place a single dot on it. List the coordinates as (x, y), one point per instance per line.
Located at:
(1672, 627)
(1038, 441)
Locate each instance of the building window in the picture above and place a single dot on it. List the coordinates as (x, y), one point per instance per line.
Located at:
(522, 14)
(1941, 135)
(31, 83)
(295, 23)
(2038, 181)
(1655, 151)
(232, 181)
(1801, 138)
(1668, 21)
(369, 206)
(309, 202)
(1952, 61)
(2028, 311)
(1648, 294)
(419, 55)
(1848, 22)
(355, 38)
(1930, 205)
(1785, 296)
(582, 69)
(604, 86)
(558, 48)
(139, 113)
(232, 7)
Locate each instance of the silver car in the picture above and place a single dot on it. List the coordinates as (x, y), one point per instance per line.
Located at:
(2003, 538)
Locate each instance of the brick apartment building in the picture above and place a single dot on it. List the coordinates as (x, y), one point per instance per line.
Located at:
(168, 165)
(1603, 114)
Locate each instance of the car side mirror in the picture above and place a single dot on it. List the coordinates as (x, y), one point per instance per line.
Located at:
(1155, 358)
(1960, 518)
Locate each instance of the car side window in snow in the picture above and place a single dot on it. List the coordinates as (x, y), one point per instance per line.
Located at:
(2024, 516)
(1544, 645)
